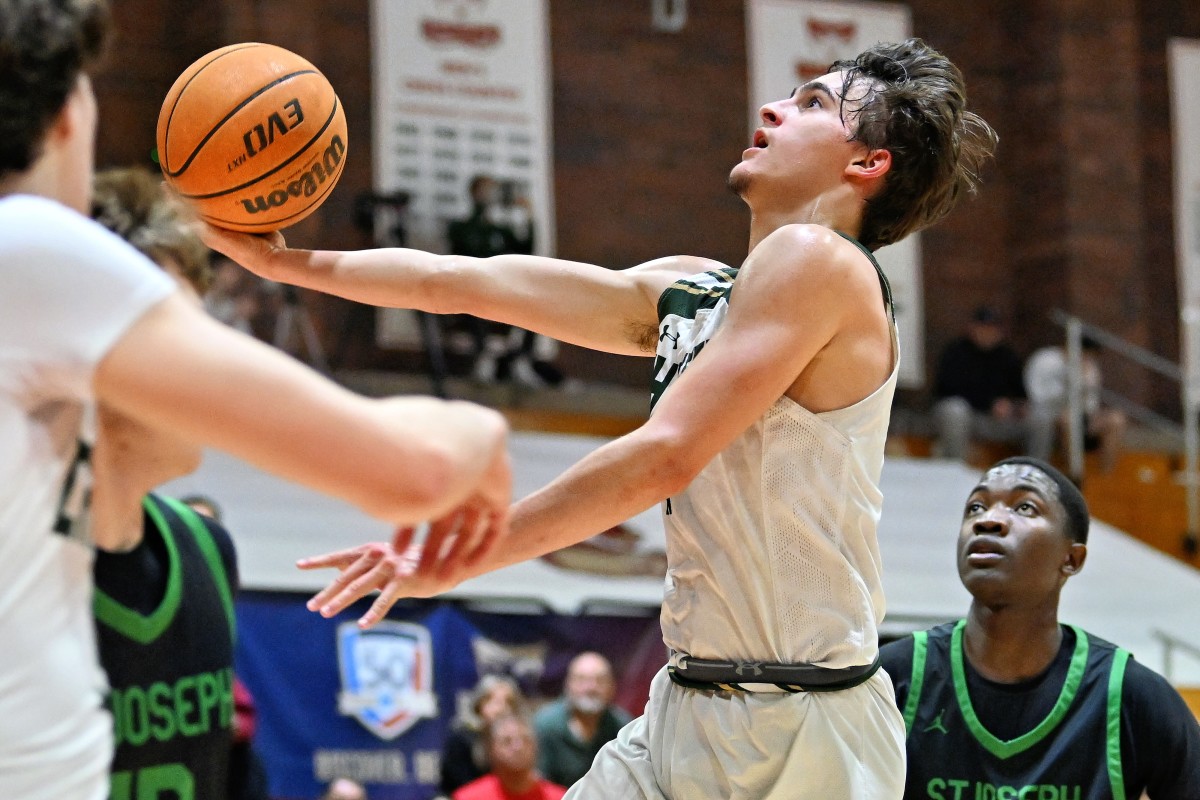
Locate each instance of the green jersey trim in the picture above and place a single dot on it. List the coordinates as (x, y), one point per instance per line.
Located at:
(208, 548)
(884, 283)
(999, 747)
(1116, 680)
(143, 628)
(917, 682)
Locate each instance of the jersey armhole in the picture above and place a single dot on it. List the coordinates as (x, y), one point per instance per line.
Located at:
(208, 547)
(920, 647)
(1116, 683)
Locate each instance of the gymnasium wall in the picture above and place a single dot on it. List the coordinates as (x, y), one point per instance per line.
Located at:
(1075, 213)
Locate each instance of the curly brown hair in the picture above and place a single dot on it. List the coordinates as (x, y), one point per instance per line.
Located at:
(44, 46)
(130, 202)
(913, 104)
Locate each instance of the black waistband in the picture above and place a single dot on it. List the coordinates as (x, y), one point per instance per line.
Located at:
(698, 673)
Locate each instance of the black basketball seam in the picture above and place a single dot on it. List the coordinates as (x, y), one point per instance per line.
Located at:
(227, 117)
(279, 166)
(170, 116)
(332, 181)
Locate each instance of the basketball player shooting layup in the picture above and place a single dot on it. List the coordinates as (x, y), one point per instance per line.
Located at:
(771, 395)
(85, 319)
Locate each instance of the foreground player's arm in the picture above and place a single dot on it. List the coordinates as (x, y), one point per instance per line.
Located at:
(584, 304)
(401, 460)
(793, 296)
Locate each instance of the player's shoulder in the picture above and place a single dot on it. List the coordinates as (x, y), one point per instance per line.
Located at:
(896, 657)
(29, 221)
(1145, 687)
(45, 234)
(809, 250)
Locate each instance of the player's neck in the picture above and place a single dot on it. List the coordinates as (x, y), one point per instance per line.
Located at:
(839, 211)
(42, 180)
(1009, 644)
(116, 516)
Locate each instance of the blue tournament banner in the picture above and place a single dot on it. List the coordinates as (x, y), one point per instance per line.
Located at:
(376, 705)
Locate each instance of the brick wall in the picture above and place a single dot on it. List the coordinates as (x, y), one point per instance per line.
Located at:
(1075, 213)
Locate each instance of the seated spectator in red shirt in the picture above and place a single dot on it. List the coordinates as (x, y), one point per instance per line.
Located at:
(512, 750)
(464, 756)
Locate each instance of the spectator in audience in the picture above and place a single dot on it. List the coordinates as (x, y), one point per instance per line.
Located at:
(344, 789)
(1010, 702)
(1046, 385)
(512, 751)
(500, 223)
(572, 730)
(464, 756)
(980, 393)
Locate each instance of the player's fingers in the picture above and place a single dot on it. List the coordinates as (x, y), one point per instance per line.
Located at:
(387, 598)
(403, 538)
(339, 559)
(461, 543)
(366, 561)
(474, 528)
(378, 577)
(440, 531)
(493, 534)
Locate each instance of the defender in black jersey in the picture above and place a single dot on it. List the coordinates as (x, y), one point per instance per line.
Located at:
(166, 631)
(1010, 704)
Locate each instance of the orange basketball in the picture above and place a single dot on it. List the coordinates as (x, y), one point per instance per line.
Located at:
(253, 136)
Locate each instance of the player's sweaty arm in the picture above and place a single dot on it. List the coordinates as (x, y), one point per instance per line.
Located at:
(794, 297)
(602, 309)
(403, 460)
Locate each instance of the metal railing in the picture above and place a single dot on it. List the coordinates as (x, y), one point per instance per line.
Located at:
(1187, 433)
(1171, 644)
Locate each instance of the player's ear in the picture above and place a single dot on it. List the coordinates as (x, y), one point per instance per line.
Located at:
(869, 167)
(72, 115)
(1073, 561)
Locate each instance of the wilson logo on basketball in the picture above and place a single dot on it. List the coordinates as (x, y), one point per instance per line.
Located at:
(306, 184)
(263, 134)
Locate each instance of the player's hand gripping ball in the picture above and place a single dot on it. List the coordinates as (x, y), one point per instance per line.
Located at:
(253, 137)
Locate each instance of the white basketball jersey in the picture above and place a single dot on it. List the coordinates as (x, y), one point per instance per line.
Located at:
(68, 290)
(772, 551)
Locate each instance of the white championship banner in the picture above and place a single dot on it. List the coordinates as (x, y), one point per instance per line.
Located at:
(461, 89)
(793, 41)
(1184, 70)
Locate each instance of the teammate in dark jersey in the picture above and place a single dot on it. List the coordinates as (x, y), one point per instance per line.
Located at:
(165, 633)
(1011, 703)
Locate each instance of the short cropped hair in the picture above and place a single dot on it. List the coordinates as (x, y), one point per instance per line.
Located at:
(44, 46)
(914, 106)
(1069, 496)
(130, 202)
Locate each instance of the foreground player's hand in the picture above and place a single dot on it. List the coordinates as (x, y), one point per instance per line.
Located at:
(459, 543)
(404, 568)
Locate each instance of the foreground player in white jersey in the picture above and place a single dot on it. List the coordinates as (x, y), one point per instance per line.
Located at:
(85, 319)
(765, 449)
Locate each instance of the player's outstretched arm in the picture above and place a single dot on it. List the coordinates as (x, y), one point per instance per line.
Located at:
(611, 310)
(400, 459)
(794, 296)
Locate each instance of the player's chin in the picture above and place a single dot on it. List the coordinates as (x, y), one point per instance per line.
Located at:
(740, 179)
